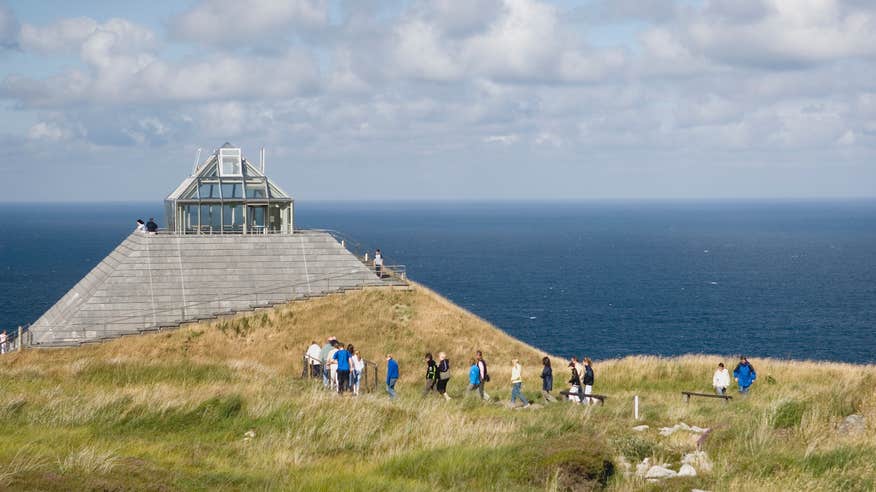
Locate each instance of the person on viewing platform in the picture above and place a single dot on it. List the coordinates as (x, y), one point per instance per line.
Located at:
(313, 359)
(587, 379)
(574, 382)
(151, 226)
(721, 379)
(4, 342)
(378, 263)
(474, 377)
(141, 226)
(324, 359)
(547, 379)
(342, 360)
(358, 368)
(744, 375)
(431, 374)
(443, 374)
(391, 375)
(517, 383)
(484, 375)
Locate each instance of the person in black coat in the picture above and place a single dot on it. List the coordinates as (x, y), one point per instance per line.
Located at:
(443, 374)
(547, 380)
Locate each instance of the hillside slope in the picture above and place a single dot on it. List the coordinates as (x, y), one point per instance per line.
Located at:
(174, 410)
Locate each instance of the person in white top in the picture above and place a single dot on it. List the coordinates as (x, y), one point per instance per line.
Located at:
(378, 263)
(313, 360)
(3, 342)
(721, 380)
(333, 367)
(141, 226)
(358, 364)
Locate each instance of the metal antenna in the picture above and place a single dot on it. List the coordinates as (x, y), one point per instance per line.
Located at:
(262, 160)
(197, 161)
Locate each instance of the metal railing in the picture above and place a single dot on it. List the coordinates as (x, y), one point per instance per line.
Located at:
(16, 340)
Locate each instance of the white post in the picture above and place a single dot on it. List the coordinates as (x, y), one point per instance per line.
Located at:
(636, 406)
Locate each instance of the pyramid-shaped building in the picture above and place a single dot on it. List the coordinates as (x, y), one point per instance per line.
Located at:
(230, 246)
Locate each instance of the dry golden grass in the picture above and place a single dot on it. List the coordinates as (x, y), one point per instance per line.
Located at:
(171, 410)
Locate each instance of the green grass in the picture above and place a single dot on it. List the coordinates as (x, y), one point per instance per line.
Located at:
(172, 411)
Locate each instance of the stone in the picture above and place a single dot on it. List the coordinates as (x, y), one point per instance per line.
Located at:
(249, 435)
(687, 471)
(641, 428)
(643, 467)
(699, 460)
(659, 473)
(852, 425)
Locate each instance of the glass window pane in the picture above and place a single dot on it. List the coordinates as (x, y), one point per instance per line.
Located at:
(209, 190)
(229, 162)
(232, 190)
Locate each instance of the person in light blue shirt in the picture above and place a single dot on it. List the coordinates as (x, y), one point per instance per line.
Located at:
(343, 357)
(474, 376)
(391, 375)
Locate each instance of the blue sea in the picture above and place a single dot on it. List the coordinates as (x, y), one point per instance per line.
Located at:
(604, 279)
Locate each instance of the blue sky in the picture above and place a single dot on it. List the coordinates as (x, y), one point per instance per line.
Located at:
(443, 99)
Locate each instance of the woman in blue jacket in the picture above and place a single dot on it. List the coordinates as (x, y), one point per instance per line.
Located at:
(744, 375)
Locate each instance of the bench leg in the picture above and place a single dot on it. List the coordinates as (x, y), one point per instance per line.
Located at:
(687, 398)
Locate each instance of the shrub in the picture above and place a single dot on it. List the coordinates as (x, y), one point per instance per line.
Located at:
(788, 414)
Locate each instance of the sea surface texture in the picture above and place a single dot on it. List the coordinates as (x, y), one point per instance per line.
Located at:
(608, 279)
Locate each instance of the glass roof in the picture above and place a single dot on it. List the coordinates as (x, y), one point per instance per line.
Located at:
(221, 178)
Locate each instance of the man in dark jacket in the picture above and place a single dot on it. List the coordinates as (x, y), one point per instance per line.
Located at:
(151, 226)
(485, 376)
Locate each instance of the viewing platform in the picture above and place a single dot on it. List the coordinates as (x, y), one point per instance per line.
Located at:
(234, 252)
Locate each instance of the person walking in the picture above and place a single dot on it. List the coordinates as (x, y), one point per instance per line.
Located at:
(4, 342)
(342, 360)
(547, 380)
(443, 374)
(431, 374)
(324, 360)
(391, 375)
(378, 263)
(313, 359)
(358, 367)
(587, 379)
(333, 365)
(474, 377)
(517, 383)
(721, 380)
(744, 374)
(484, 375)
(574, 383)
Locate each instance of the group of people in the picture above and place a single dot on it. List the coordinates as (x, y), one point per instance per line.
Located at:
(340, 366)
(151, 227)
(744, 375)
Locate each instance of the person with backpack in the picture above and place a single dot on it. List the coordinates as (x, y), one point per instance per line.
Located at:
(443, 374)
(484, 375)
(474, 377)
(587, 379)
(547, 380)
(431, 374)
(744, 374)
(517, 383)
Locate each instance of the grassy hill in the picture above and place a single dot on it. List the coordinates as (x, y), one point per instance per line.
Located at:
(172, 411)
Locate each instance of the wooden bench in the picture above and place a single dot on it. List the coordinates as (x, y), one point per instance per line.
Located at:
(600, 398)
(688, 394)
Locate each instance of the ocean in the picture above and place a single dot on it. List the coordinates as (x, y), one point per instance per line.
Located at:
(602, 279)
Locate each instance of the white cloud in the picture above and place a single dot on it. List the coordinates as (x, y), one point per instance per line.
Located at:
(227, 22)
(46, 130)
(83, 33)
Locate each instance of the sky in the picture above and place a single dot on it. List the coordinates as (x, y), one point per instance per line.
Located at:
(443, 100)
